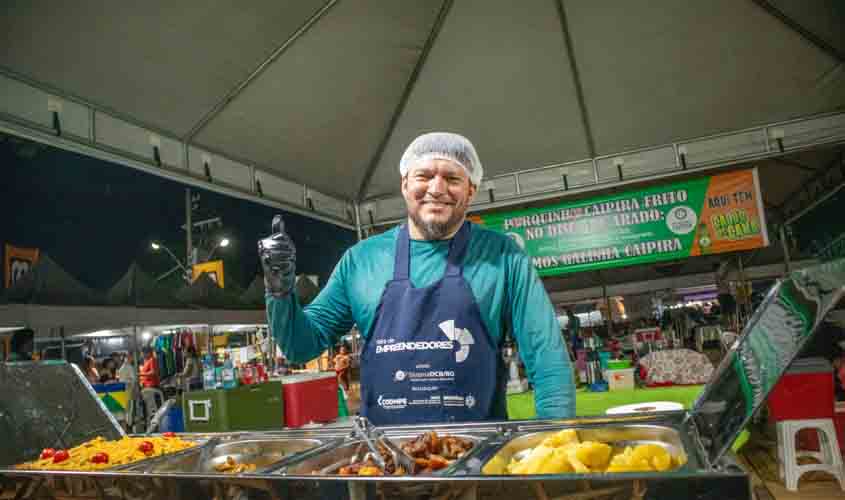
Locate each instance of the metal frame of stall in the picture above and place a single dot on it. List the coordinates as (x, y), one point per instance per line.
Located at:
(50, 117)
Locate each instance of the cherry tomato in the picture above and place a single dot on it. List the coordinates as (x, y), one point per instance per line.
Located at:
(47, 453)
(169, 434)
(60, 456)
(145, 447)
(100, 458)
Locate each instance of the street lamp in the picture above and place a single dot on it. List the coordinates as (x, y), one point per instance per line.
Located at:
(223, 242)
(156, 246)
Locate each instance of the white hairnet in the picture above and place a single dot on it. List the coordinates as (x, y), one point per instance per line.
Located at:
(443, 146)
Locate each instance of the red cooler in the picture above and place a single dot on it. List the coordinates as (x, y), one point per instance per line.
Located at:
(804, 392)
(309, 397)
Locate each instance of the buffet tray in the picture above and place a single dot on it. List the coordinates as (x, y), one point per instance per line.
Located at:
(265, 452)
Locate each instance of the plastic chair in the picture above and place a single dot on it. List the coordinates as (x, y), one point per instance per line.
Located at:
(829, 455)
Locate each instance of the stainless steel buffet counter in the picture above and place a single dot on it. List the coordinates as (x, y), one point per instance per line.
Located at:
(304, 463)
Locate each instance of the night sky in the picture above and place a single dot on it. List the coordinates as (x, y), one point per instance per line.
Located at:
(95, 218)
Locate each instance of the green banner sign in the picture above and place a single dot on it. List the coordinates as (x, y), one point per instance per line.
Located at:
(720, 213)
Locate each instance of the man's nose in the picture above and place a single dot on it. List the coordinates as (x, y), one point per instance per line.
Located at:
(437, 185)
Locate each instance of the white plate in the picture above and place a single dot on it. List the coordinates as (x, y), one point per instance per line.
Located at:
(649, 407)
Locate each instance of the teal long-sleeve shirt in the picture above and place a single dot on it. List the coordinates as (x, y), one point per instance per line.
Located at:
(506, 287)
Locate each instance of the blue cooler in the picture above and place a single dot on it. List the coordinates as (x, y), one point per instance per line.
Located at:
(172, 421)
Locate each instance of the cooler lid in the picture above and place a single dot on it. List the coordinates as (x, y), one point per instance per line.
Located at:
(48, 404)
(786, 319)
(306, 377)
(810, 365)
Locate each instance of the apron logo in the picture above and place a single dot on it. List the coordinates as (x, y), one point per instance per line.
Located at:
(470, 401)
(392, 403)
(460, 335)
(399, 376)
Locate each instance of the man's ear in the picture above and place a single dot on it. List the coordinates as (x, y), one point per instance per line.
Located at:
(403, 184)
(472, 190)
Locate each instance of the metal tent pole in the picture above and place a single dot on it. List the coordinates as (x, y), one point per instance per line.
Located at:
(358, 227)
(189, 244)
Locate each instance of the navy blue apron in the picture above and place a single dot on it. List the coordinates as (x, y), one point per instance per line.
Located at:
(429, 357)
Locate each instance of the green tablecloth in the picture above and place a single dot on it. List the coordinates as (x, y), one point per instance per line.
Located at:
(521, 406)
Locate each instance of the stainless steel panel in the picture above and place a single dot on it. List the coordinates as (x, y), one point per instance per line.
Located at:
(48, 405)
(785, 321)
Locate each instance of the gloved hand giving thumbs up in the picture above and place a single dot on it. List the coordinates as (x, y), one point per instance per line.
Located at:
(278, 260)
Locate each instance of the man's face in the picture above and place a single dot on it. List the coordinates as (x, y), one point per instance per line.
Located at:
(437, 194)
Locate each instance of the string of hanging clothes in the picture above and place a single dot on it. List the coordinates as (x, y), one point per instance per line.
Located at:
(171, 349)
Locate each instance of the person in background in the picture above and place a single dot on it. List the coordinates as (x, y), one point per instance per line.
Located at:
(342, 362)
(127, 371)
(89, 368)
(109, 372)
(149, 370)
(117, 358)
(573, 325)
(727, 302)
(192, 372)
(128, 374)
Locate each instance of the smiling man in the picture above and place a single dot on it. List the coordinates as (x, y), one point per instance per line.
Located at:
(433, 298)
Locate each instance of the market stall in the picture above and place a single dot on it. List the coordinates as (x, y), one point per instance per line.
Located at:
(661, 455)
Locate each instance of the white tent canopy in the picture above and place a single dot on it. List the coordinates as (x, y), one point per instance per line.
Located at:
(46, 320)
(307, 105)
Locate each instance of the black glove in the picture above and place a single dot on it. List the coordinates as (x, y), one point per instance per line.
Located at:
(278, 260)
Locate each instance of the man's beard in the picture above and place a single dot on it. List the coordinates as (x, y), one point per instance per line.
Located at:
(438, 230)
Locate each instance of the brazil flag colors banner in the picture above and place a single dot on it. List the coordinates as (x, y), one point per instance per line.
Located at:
(708, 215)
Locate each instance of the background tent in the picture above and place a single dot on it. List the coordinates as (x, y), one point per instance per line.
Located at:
(48, 284)
(205, 293)
(254, 293)
(306, 290)
(137, 288)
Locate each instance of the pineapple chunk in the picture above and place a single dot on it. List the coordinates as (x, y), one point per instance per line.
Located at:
(558, 463)
(561, 438)
(577, 465)
(594, 455)
(533, 462)
(656, 456)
